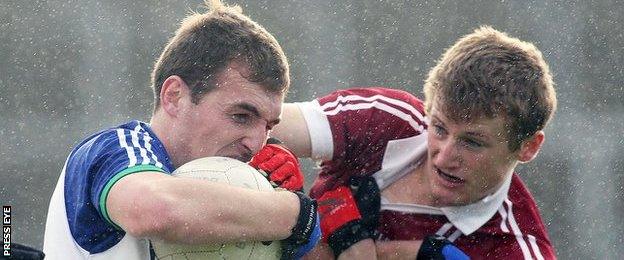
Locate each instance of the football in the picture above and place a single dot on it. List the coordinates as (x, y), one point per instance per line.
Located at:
(232, 172)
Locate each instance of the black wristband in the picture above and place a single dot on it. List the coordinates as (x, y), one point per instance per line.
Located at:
(301, 232)
(347, 235)
(431, 248)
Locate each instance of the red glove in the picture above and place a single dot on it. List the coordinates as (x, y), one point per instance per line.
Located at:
(337, 208)
(350, 214)
(281, 166)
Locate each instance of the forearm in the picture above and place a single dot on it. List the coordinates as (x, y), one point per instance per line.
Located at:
(196, 211)
(398, 249)
(364, 249)
(322, 251)
(231, 214)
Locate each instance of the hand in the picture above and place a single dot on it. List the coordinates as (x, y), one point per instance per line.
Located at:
(279, 165)
(437, 247)
(307, 231)
(350, 214)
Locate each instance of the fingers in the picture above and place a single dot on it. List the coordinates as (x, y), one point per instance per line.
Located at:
(282, 173)
(292, 185)
(288, 176)
(263, 155)
(273, 163)
(280, 165)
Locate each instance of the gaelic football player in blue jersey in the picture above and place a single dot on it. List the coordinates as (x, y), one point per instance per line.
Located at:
(218, 87)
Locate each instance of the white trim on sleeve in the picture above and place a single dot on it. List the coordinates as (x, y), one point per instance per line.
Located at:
(321, 138)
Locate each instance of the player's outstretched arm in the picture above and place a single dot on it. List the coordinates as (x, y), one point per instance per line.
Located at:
(398, 249)
(293, 131)
(363, 249)
(433, 247)
(156, 205)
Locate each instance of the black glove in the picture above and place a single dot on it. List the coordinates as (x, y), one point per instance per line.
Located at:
(350, 214)
(307, 231)
(439, 248)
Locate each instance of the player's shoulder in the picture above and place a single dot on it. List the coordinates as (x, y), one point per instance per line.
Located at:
(373, 94)
(110, 137)
(518, 224)
(519, 194)
(520, 201)
(133, 126)
(373, 91)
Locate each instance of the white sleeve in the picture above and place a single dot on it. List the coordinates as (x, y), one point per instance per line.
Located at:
(320, 132)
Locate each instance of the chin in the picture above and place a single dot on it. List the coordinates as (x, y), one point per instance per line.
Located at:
(446, 198)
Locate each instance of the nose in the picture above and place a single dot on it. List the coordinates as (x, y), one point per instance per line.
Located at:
(446, 157)
(255, 138)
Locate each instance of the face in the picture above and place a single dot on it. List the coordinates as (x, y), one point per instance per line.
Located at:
(466, 161)
(233, 120)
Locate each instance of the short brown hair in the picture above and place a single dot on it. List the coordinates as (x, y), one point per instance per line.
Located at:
(489, 74)
(206, 43)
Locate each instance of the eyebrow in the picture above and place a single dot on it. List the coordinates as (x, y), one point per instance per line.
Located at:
(252, 109)
(433, 117)
(477, 134)
(468, 133)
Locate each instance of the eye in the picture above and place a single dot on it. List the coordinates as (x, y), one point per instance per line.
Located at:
(241, 118)
(439, 130)
(472, 143)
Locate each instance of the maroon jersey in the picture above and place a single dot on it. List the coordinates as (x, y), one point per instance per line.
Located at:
(382, 133)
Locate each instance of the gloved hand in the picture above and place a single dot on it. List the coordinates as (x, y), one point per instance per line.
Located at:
(306, 233)
(350, 214)
(437, 247)
(279, 165)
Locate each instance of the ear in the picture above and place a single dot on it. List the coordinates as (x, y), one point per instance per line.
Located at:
(531, 147)
(171, 93)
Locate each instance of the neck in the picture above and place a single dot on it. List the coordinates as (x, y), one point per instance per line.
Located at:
(164, 130)
(423, 194)
(412, 188)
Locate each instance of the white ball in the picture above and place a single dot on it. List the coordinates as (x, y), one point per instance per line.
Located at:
(232, 172)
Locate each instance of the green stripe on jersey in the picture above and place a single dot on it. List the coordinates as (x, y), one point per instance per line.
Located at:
(117, 177)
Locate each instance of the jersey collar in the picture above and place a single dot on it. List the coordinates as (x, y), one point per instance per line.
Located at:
(469, 218)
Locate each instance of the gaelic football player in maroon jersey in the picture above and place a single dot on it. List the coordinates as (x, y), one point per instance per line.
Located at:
(404, 178)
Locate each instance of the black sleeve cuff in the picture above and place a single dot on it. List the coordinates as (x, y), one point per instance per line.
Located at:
(347, 235)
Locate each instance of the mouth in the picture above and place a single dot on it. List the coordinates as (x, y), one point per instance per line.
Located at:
(238, 153)
(242, 158)
(449, 178)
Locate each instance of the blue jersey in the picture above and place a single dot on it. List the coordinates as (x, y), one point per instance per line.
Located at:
(78, 225)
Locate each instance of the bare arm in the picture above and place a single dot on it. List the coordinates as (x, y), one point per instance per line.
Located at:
(156, 205)
(364, 249)
(321, 251)
(361, 250)
(293, 131)
(398, 249)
